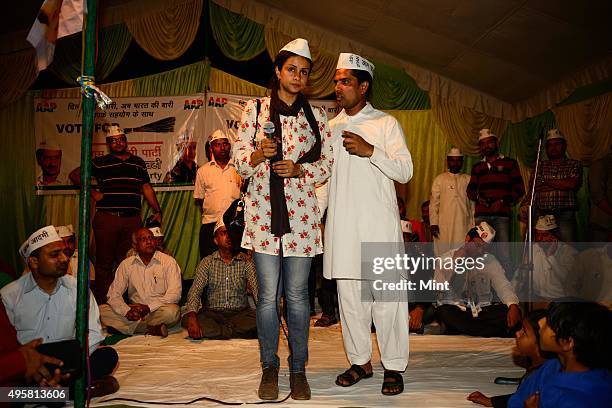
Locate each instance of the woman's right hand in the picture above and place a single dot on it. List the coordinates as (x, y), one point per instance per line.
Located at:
(268, 147)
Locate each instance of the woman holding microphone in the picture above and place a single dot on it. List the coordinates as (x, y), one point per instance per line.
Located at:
(284, 147)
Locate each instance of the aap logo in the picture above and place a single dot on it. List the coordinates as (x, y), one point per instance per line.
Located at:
(193, 104)
(217, 102)
(46, 106)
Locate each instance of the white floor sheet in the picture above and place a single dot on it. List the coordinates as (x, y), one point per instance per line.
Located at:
(442, 371)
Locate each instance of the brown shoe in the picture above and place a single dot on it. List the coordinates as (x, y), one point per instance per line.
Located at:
(300, 390)
(159, 330)
(103, 386)
(268, 387)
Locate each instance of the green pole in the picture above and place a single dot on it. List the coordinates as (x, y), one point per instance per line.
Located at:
(89, 108)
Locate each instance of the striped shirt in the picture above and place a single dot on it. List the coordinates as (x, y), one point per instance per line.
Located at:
(226, 285)
(498, 180)
(120, 181)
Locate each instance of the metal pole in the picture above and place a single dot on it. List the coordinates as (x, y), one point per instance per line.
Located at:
(530, 225)
(89, 108)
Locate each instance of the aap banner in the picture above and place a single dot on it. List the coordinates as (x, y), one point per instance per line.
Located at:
(158, 129)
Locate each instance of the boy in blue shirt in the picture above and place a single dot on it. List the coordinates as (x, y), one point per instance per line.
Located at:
(580, 334)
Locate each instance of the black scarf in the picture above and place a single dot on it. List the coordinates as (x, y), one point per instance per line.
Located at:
(280, 216)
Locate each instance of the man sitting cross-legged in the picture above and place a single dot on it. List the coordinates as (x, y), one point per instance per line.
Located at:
(41, 306)
(153, 282)
(228, 276)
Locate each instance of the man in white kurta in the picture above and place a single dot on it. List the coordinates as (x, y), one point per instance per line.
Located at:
(451, 212)
(370, 153)
(152, 280)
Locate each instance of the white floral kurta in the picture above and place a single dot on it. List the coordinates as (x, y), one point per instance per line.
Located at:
(305, 236)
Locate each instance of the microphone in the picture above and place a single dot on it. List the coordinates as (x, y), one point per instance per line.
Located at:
(268, 129)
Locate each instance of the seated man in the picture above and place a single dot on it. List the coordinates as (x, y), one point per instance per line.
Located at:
(42, 305)
(227, 276)
(66, 233)
(580, 334)
(552, 261)
(159, 242)
(153, 283)
(468, 306)
(591, 275)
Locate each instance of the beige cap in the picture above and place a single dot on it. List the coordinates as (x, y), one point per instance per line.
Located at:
(299, 46)
(346, 60)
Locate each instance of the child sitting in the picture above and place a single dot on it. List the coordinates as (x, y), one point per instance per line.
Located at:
(527, 349)
(580, 334)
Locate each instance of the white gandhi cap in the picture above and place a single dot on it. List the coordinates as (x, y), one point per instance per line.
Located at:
(39, 239)
(554, 134)
(218, 134)
(299, 46)
(218, 225)
(485, 232)
(454, 152)
(485, 133)
(65, 231)
(347, 60)
(546, 223)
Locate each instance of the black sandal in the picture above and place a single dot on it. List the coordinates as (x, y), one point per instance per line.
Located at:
(398, 381)
(349, 379)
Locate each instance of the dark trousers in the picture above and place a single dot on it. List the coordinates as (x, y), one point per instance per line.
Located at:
(223, 325)
(328, 296)
(113, 240)
(491, 321)
(207, 245)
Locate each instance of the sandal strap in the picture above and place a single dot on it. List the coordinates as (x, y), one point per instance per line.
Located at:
(357, 369)
(397, 377)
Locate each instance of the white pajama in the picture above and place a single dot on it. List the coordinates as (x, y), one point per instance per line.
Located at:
(389, 317)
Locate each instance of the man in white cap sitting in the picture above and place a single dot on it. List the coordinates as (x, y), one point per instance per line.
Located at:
(495, 186)
(42, 305)
(217, 185)
(553, 261)
(468, 306)
(49, 159)
(227, 276)
(370, 154)
(152, 280)
(66, 233)
(559, 180)
(451, 212)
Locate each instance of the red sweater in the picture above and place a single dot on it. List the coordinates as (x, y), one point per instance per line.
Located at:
(11, 360)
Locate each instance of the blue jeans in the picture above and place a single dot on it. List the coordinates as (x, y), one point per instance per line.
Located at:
(501, 248)
(289, 275)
